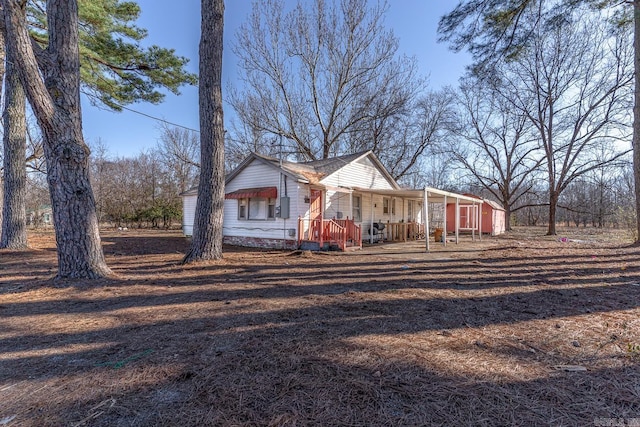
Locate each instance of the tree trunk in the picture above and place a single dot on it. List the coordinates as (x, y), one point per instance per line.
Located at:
(207, 228)
(2, 64)
(55, 100)
(14, 220)
(553, 207)
(636, 112)
(507, 217)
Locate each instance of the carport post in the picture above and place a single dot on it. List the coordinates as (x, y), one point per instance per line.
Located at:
(480, 220)
(473, 222)
(425, 214)
(457, 219)
(444, 227)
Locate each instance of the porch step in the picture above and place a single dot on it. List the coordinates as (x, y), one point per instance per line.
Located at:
(309, 245)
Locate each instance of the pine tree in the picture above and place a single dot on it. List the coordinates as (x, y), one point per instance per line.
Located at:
(114, 71)
(207, 231)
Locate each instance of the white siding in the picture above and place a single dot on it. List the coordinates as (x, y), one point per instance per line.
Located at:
(338, 205)
(188, 213)
(258, 174)
(362, 173)
(255, 175)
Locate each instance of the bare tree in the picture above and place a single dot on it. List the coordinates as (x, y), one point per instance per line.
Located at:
(178, 150)
(51, 78)
(493, 30)
(323, 77)
(408, 139)
(494, 143)
(573, 84)
(207, 231)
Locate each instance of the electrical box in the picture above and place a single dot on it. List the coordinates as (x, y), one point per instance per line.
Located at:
(284, 207)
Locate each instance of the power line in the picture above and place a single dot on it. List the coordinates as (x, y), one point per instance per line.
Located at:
(157, 118)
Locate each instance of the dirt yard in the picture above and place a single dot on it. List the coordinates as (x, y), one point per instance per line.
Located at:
(518, 330)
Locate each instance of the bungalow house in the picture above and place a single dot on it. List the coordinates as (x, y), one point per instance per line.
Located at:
(331, 203)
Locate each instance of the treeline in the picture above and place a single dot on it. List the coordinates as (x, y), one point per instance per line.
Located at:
(142, 191)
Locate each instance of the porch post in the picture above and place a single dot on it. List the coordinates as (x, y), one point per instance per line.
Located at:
(351, 204)
(457, 219)
(425, 220)
(473, 222)
(371, 225)
(444, 229)
(322, 207)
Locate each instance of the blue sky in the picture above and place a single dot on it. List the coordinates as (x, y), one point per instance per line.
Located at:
(176, 25)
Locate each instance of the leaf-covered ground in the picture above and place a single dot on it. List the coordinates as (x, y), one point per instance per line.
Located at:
(518, 330)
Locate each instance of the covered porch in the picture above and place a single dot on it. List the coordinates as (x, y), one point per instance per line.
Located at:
(377, 216)
(432, 218)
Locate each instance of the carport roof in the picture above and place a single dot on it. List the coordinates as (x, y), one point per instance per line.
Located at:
(433, 194)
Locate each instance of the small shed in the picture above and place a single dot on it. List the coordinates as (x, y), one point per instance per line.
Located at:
(492, 216)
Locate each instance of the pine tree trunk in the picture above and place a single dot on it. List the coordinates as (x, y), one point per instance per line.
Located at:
(207, 228)
(636, 113)
(14, 220)
(3, 52)
(54, 95)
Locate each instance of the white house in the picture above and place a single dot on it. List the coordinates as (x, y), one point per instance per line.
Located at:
(330, 203)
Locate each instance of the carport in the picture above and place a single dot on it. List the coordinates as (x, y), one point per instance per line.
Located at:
(433, 195)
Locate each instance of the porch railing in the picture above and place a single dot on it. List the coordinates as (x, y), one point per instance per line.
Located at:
(353, 232)
(340, 232)
(333, 232)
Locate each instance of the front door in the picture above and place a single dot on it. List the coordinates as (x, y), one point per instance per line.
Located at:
(315, 209)
(315, 214)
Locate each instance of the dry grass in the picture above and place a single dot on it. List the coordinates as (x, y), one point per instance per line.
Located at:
(485, 333)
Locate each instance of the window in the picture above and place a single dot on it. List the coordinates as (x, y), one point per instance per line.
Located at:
(388, 206)
(242, 208)
(357, 208)
(256, 208)
(271, 208)
(410, 208)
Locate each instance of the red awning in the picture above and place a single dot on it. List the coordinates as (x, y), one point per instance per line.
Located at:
(245, 193)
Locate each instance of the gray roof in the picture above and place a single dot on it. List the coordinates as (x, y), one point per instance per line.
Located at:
(329, 166)
(308, 172)
(313, 171)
